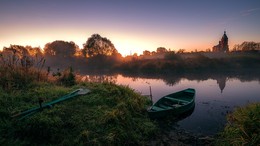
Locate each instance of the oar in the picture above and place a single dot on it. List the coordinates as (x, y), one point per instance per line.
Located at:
(32, 111)
(38, 108)
(72, 94)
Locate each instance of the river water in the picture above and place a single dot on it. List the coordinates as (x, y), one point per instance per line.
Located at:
(215, 97)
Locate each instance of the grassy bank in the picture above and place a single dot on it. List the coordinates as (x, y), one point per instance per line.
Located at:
(110, 114)
(243, 127)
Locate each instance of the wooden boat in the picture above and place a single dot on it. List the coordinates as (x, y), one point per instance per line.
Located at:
(173, 104)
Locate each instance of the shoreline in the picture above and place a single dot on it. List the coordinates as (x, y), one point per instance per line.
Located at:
(183, 138)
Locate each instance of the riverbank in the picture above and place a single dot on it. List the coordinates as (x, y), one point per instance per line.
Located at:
(242, 128)
(180, 137)
(110, 114)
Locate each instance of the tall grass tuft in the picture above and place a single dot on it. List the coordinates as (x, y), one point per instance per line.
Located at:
(18, 70)
(243, 127)
(67, 77)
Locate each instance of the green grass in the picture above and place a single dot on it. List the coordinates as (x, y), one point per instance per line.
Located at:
(109, 115)
(243, 127)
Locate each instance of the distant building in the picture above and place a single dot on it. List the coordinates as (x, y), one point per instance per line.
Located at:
(222, 45)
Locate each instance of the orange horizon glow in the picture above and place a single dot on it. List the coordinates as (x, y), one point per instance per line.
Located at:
(131, 26)
(124, 45)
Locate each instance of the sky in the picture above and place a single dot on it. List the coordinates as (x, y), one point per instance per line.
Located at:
(132, 25)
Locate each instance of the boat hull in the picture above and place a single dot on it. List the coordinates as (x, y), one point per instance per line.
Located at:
(174, 104)
(171, 112)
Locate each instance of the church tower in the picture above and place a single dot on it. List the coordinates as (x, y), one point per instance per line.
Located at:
(223, 44)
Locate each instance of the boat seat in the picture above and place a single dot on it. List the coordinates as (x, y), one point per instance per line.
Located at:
(156, 108)
(176, 100)
(164, 106)
(189, 91)
(176, 105)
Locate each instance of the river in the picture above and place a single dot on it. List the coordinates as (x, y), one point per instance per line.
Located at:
(215, 97)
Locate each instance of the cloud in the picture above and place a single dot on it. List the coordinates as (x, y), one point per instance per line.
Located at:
(249, 11)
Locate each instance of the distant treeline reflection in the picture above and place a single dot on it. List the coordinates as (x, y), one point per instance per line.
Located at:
(174, 67)
(221, 78)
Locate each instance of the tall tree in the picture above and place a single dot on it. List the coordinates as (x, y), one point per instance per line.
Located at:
(60, 48)
(146, 53)
(161, 50)
(180, 51)
(247, 46)
(97, 45)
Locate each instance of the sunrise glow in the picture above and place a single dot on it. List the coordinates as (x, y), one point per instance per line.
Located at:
(132, 27)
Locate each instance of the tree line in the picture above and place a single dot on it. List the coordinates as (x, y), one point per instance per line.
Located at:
(95, 45)
(98, 53)
(63, 53)
(247, 46)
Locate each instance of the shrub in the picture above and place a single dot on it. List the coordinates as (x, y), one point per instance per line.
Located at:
(66, 78)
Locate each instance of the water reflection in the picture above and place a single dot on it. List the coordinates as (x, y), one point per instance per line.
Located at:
(170, 121)
(221, 83)
(171, 80)
(99, 78)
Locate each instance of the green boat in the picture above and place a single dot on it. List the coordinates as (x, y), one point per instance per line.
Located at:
(173, 104)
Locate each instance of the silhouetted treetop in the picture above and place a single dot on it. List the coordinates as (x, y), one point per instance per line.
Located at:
(60, 48)
(146, 53)
(34, 51)
(247, 46)
(97, 45)
(181, 51)
(17, 50)
(16, 55)
(161, 50)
